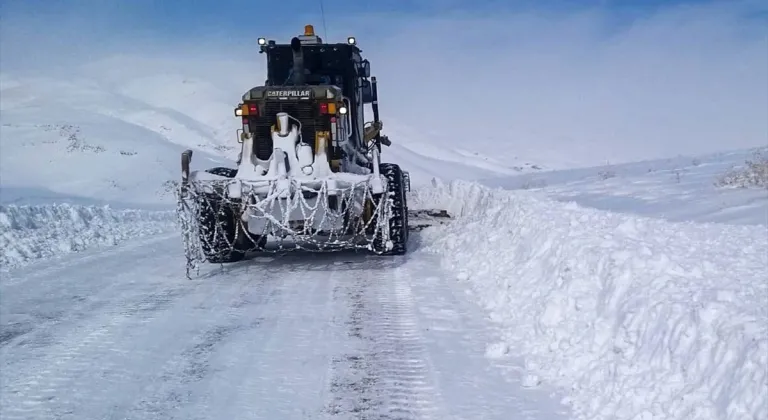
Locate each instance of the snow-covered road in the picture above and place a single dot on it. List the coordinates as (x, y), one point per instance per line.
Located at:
(122, 334)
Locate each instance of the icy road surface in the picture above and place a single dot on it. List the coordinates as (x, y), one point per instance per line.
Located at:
(122, 334)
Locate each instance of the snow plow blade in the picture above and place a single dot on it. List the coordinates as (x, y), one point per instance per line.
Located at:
(224, 217)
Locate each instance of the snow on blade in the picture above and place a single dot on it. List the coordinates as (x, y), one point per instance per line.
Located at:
(28, 233)
(639, 318)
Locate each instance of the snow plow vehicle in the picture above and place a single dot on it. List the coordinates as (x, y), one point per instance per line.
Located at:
(309, 173)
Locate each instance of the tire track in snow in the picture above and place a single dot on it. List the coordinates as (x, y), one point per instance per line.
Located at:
(352, 376)
(278, 370)
(41, 302)
(182, 381)
(45, 374)
(389, 374)
(406, 362)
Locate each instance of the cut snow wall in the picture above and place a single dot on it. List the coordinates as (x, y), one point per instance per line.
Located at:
(637, 318)
(28, 233)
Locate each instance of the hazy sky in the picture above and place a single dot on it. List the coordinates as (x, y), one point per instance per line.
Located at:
(186, 18)
(106, 24)
(605, 79)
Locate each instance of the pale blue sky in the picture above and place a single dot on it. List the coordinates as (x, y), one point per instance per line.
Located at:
(193, 18)
(36, 30)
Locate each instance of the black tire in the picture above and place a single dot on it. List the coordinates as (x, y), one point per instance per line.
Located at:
(398, 223)
(216, 244)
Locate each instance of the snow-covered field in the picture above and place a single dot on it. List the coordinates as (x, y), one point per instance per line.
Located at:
(720, 187)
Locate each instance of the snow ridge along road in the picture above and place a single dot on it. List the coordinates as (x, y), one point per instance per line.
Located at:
(638, 318)
(32, 232)
(295, 336)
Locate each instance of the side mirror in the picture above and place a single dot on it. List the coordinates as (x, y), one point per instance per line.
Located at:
(365, 68)
(367, 92)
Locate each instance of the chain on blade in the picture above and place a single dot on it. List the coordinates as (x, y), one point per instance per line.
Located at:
(199, 201)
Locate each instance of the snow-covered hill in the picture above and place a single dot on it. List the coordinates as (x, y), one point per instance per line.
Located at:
(86, 143)
(116, 138)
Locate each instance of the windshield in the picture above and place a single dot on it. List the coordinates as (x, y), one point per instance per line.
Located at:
(319, 67)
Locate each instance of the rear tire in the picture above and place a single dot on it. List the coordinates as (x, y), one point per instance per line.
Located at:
(398, 223)
(216, 243)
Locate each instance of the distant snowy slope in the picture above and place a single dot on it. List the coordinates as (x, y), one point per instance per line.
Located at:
(89, 143)
(457, 154)
(198, 100)
(423, 168)
(86, 95)
(28, 233)
(87, 155)
(637, 318)
(678, 189)
(210, 102)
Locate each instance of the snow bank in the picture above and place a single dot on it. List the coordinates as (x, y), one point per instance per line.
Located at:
(28, 233)
(637, 318)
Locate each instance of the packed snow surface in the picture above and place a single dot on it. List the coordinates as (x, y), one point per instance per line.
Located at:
(121, 333)
(637, 318)
(28, 233)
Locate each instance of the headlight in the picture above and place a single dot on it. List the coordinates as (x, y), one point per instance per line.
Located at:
(351, 40)
(262, 41)
(343, 110)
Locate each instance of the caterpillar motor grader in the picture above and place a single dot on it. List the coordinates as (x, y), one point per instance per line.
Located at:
(309, 172)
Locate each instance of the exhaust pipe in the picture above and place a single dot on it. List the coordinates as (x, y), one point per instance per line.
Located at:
(298, 62)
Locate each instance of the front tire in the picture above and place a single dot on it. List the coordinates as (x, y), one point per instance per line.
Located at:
(229, 243)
